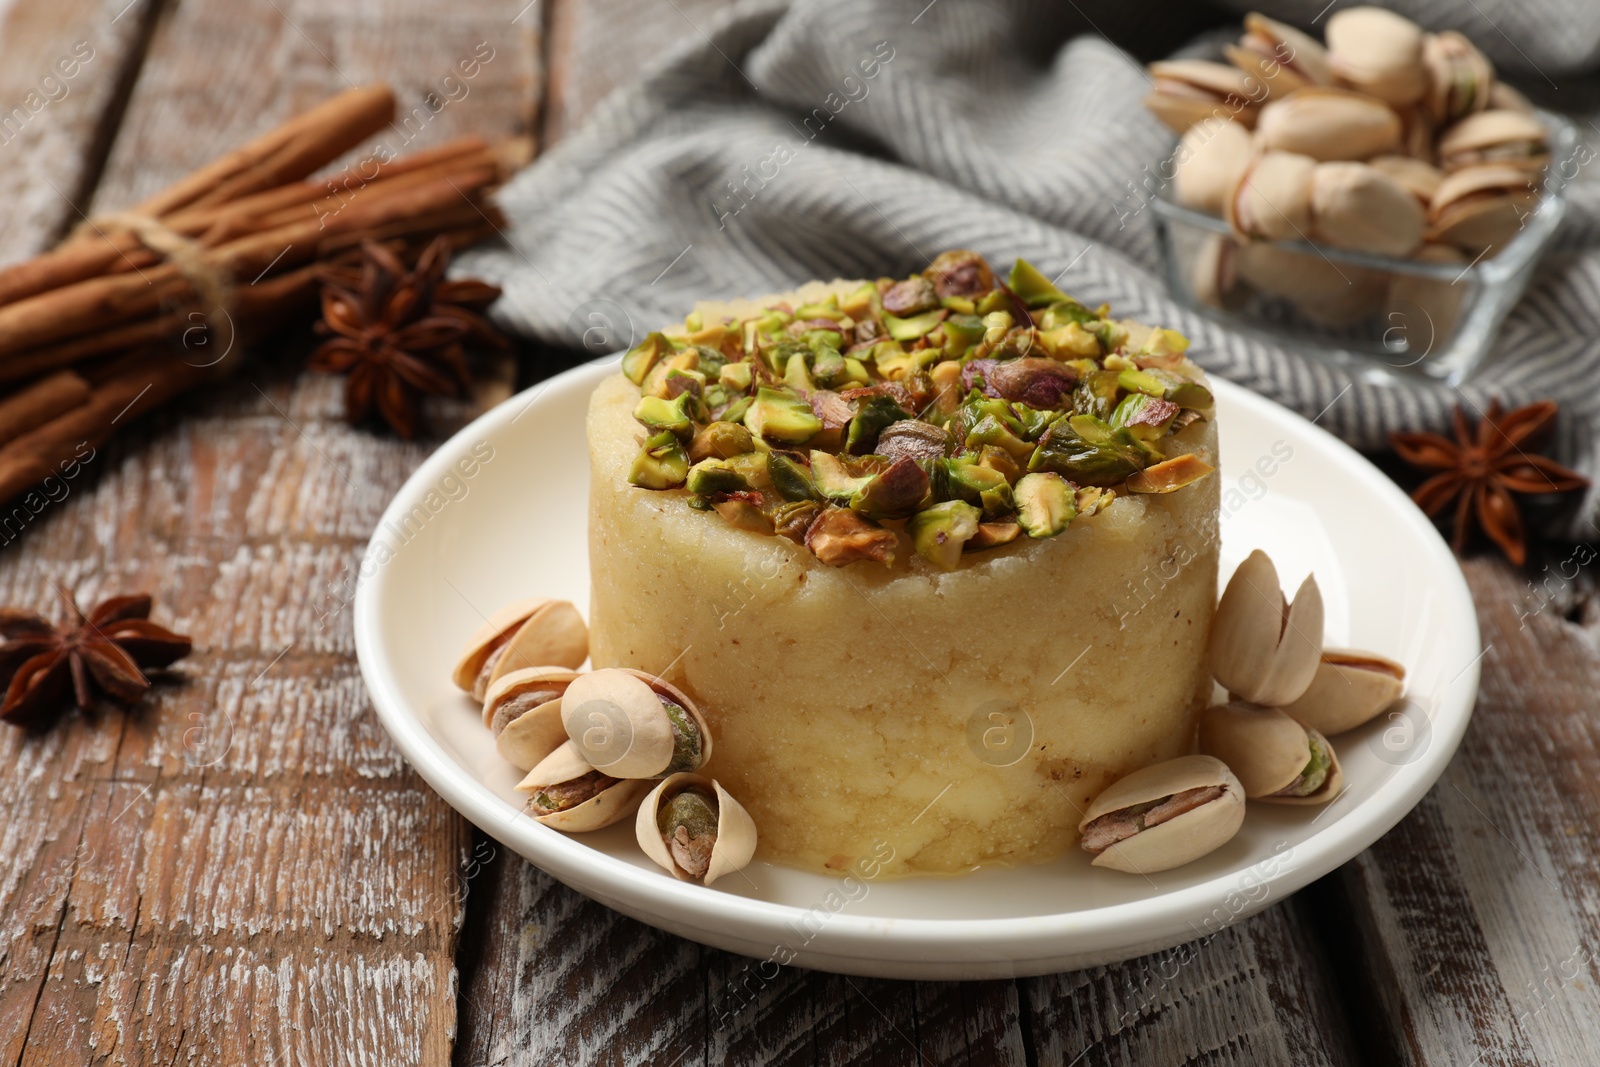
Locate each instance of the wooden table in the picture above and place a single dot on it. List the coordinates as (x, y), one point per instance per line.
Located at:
(246, 871)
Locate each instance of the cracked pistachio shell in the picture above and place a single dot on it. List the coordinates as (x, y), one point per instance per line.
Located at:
(1181, 839)
(1460, 78)
(1359, 207)
(1417, 176)
(1481, 206)
(1328, 124)
(1210, 159)
(1350, 688)
(1273, 198)
(1264, 650)
(1281, 56)
(1506, 138)
(527, 633)
(1379, 53)
(1186, 91)
(610, 805)
(1267, 749)
(736, 831)
(1214, 272)
(527, 736)
(619, 724)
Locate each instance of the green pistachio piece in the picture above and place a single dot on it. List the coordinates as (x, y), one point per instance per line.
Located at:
(1063, 312)
(660, 464)
(970, 480)
(826, 309)
(720, 440)
(644, 355)
(686, 741)
(872, 415)
(1145, 416)
(736, 376)
(694, 322)
(715, 476)
(861, 303)
(743, 513)
(736, 411)
(1032, 287)
(997, 501)
(833, 479)
(773, 322)
(998, 459)
(1097, 394)
(781, 418)
(795, 375)
(1101, 460)
(794, 518)
(992, 301)
(1137, 381)
(991, 431)
(939, 533)
(961, 332)
(656, 414)
(892, 493)
(855, 372)
(914, 327)
(789, 478)
(960, 305)
(1315, 772)
(828, 369)
(1046, 504)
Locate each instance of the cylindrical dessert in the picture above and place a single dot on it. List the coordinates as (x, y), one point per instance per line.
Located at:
(948, 709)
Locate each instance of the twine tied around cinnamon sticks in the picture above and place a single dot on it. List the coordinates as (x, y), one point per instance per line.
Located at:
(86, 329)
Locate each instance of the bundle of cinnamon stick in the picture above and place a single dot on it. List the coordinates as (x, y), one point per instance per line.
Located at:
(135, 308)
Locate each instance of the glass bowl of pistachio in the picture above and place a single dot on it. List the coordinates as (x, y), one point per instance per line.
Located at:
(1379, 201)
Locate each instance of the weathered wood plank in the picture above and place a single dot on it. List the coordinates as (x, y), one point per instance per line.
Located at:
(243, 870)
(1480, 913)
(66, 63)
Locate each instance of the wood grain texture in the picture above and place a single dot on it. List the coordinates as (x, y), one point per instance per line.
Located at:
(242, 870)
(1479, 915)
(66, 65)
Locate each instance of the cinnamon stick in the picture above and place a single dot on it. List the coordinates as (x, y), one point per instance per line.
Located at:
(40, 402)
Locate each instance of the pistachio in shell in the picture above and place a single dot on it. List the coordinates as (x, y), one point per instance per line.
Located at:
(1437, 300)
(1273, 198)
(566, 793)
(1327, 293)
(695, 829)
(528, 633)
(1214, 274)
(1503, 137)
(1350, 688)
(629, 724)
(1276, 759)
(1481, 207)
(1264, 649)
(1281, 56)
(1186, 91)
(1359, 207)
(1163, 816)
(1379, 53)
(1460, 78)
(1328, 124)
(522, 710)
(1210, 159)
(1417, 176)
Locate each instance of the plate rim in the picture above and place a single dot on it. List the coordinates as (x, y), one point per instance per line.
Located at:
(1017, 938)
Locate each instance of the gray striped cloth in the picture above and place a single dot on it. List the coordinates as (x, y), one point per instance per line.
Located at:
(856, 138)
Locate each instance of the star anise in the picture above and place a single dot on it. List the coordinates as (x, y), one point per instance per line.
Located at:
(400, 335)
(1481, 472)
(104, 650)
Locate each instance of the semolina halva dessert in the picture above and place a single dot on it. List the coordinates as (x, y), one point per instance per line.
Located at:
(935, 558)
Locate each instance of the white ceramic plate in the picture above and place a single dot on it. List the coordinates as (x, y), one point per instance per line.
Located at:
(499, 512)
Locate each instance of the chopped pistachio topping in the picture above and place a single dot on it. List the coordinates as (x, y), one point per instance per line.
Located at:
(850, 423)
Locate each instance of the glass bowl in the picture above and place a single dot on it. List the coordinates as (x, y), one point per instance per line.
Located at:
(1378, 315)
